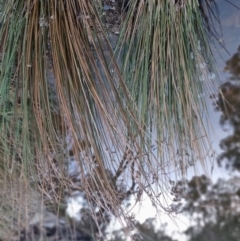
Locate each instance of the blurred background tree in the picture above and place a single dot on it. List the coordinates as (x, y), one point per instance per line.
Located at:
(229, 102)
(213, 208)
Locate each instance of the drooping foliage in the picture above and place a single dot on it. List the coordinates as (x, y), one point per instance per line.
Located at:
(66, 99)
(165, 47)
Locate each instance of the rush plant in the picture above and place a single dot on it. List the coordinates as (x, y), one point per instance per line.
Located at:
(62, 96)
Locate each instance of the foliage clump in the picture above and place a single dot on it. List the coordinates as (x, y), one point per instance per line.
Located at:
(66, 99)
